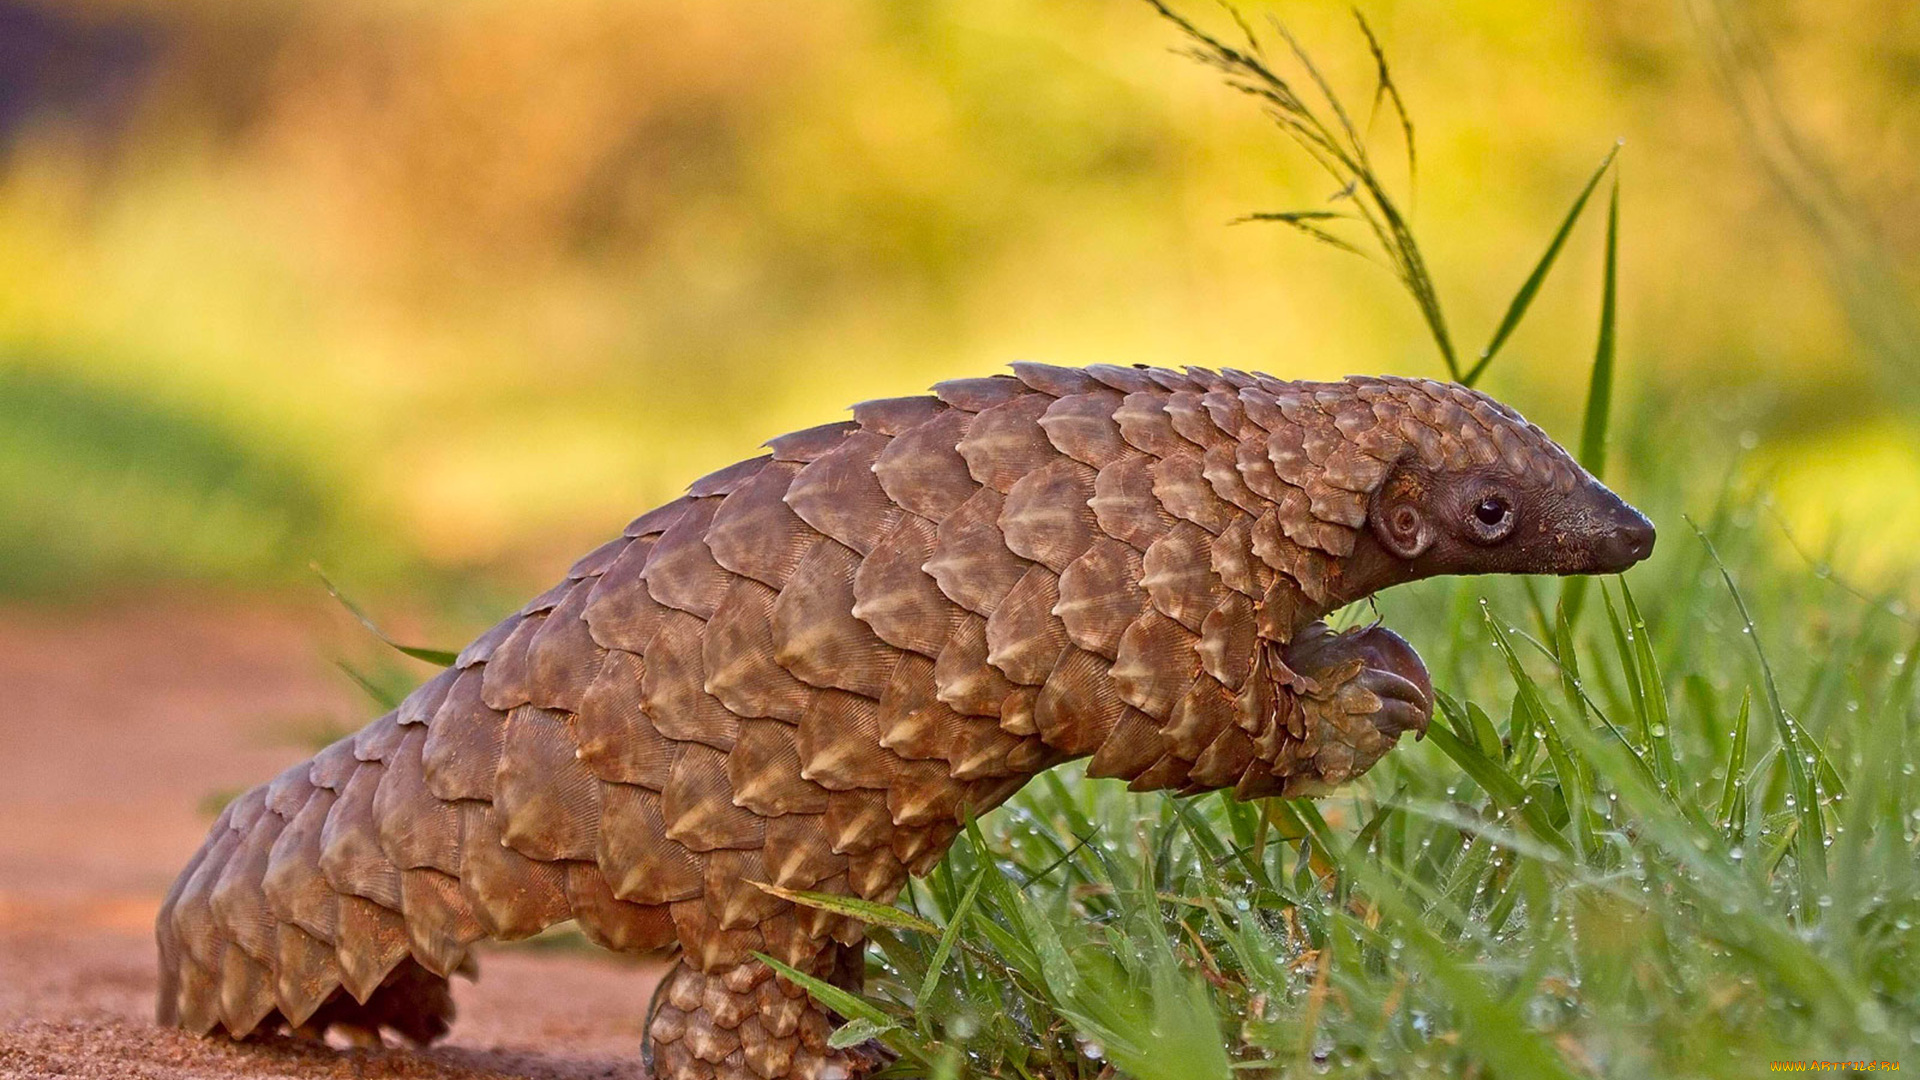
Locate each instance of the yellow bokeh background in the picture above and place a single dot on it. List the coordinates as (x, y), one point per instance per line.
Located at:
(455, 289)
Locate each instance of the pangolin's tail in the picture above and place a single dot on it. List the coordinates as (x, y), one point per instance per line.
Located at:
(349, 889)
(293, 914)
(255, 937)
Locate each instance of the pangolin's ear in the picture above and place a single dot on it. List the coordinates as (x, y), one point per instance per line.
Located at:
(1403, 530)
(1398, 514)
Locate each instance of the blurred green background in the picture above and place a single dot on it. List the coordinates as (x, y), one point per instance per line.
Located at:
(440, 294)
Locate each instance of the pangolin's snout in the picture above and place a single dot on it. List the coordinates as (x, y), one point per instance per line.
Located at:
(1617, 535)
(1630, 541)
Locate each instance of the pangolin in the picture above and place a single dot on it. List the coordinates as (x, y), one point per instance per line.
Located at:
(810, 669)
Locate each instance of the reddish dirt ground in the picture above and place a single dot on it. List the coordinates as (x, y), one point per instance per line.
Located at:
(119, 722)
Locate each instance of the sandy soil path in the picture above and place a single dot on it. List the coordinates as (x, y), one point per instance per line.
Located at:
(118, 723)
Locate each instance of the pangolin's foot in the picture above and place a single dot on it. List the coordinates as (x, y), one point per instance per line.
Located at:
(1369, 661)
(745, 1023)
(1355, 693)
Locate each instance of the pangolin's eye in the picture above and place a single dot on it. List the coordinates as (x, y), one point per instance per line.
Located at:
(1492, 519)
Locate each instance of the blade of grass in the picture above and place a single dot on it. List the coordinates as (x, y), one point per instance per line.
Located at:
(1306, 221)
(439, 657)
(1384, 89)
(854, 908)
(1653, 689)
(1509, 793)
(1629, 665)
(1523, 299)
(1573, 784)
(1593, 426)
(937, 965)
(378, 694)
(1733, 796)
(1802, 755)
(846, 1003)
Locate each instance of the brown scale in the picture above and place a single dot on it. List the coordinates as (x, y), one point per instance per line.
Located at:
(895, 595)
(839, 496)
(807, 673)
(962, 675)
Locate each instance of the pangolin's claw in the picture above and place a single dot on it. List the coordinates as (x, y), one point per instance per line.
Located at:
(1394, 673)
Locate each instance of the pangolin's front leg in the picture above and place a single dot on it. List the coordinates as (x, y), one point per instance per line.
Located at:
(813, 667)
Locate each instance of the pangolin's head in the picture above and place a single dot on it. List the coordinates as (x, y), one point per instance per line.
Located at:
(1479, 490)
